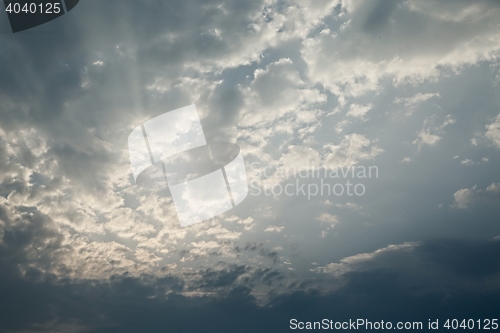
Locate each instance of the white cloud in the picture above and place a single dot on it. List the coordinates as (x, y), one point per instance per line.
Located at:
(276, 91)
(426, 138)
(466, 197)
(328, 221)
(353, 148)
(432, 133)
(416, 99)
(273, 228)
(493, 131)
(328, 218)
(411, 103)
(358, 110)
(354, 59)
(362, 261)
(350, 206)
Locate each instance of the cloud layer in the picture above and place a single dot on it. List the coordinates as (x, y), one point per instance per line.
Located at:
(312, 89)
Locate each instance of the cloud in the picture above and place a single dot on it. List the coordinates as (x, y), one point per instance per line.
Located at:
(493, 131)
(428, 279)
(353, 148)
(328, 218)
(466, 197)
(443, 264)
(359, 111)
(328, 222)
(273, 228)
(432, 133)
(350, 206)
(362, 260)
(296, 84)
(426, 138)
(354, 59)
(411, 102)
(278, 91)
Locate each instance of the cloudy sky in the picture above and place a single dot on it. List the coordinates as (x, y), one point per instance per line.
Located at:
(411, 88)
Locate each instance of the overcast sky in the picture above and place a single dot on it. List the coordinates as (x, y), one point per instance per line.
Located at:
(411, 88)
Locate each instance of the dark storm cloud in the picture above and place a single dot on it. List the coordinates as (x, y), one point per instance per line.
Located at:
(269, 276)
(470, 259)
(142, 304)
(220, 278)
(32, 233)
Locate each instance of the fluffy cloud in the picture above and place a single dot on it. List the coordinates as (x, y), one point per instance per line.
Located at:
(359, 111)
(374, 42)
(466, 197)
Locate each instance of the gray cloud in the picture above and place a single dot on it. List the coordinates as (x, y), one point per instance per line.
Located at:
(296, 85)
(393, 283)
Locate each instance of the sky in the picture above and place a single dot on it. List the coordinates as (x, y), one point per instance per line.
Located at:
(313, 93)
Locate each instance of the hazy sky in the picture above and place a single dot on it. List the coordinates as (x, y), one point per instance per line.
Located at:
(410, 88)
